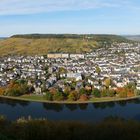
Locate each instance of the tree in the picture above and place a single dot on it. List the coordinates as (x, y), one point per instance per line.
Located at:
(107, 92)
(96, 93)
(58, 96)
(53, 90)
(98, 70)
(2, 91)
(107, 82)
(111, 93)
(122, 92)
(48, 96)
(20, 81)
(104, 92)
(73, 96)
(24, 88)
(67, 90)
(137, 92)
(46, 69)
(83, 97)
(82, 91)
(16, 89)
(73, 85)
(62, 70)
(131, 85)
(130, 93)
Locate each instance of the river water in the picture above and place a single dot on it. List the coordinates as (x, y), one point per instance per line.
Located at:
(96, 112)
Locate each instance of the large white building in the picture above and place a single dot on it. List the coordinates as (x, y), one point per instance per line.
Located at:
(138, 85)
(77, 56)
(58, 55)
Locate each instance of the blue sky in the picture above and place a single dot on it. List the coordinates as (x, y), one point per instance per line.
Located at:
(69, 16)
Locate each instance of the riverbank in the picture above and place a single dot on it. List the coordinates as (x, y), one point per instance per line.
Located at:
(37, 98)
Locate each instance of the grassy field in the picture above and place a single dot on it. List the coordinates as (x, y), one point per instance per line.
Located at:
(33, 97)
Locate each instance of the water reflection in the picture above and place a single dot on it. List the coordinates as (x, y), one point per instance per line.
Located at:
(72, 107)
(123, 104)
(83, 106)
(13, 103)
(54, 107)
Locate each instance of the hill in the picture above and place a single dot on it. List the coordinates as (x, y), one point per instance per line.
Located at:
(41, 44)
(133, 37)
(1, 38)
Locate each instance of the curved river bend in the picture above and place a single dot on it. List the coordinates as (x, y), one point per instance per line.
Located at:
(14, 109)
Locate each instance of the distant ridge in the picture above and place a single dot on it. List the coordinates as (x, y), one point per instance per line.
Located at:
(1, 38)
(41, 44)
(97, 37)
(133, 37)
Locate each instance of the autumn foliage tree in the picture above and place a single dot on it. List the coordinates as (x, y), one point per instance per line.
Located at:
(83, 97)
(73, 96)
(16, 89)
(2, 91)
(121, 92)
(107, 82)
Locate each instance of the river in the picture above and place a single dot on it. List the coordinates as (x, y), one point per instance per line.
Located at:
(95, 112)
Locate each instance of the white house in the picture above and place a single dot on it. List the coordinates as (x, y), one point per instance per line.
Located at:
(77, 56)
(138, 85)
(76, 76)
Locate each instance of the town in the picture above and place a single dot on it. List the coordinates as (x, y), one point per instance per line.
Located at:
(105, 68)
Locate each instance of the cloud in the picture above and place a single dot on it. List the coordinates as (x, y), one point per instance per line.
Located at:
(18, 7)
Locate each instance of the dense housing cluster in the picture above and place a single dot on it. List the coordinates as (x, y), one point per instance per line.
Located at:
(103, 72)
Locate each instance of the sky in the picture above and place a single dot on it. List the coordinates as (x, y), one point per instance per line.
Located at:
(69, 16)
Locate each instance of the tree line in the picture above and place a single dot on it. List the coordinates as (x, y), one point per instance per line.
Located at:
(112, 128)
